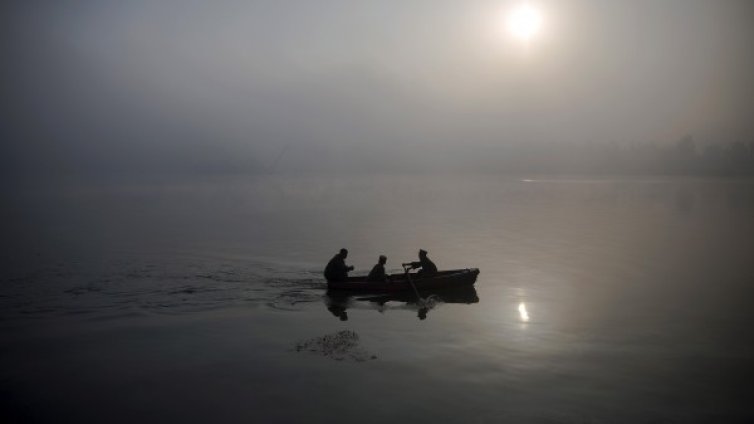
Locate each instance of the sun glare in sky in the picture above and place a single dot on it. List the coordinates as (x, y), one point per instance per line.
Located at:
(524, 22)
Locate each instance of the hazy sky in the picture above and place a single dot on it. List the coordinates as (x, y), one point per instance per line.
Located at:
(141, 86)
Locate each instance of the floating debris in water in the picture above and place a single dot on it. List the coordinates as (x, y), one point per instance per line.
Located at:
(343, 345)
(431, 301)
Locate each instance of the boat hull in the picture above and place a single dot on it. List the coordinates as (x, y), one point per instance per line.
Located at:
(399, 282)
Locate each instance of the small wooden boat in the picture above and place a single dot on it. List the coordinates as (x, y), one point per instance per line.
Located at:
(400, 282)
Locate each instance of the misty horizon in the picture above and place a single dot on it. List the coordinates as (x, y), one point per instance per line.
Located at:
(108, 88)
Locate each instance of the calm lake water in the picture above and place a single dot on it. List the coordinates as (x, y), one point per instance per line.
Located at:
(599, 300)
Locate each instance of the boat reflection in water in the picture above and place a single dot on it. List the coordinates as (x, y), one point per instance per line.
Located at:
(338, 302)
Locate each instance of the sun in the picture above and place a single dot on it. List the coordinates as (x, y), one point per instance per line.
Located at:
(524, 22)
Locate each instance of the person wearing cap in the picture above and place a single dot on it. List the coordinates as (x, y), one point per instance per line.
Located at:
(427, 266)
(336, 269)
(378, 271)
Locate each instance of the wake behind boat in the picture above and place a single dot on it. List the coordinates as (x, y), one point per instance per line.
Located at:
(401, 282)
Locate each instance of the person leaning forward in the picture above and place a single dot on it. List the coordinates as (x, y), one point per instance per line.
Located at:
(336, 269)
(427, 266)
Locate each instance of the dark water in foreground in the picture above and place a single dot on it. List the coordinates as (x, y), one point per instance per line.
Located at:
(598, 301)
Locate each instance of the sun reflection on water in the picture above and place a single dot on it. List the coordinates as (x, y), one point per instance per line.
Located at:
(523, 312)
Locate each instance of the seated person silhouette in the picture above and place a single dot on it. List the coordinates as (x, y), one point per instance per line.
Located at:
(377, 274)
(427, 266)
(336, 269)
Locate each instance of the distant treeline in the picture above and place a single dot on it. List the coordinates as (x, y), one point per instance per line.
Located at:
(682, 157)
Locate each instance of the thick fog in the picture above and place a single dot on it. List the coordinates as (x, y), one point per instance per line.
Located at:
(127, 89)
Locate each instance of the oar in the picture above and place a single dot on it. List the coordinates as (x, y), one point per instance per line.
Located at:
(406, 267)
